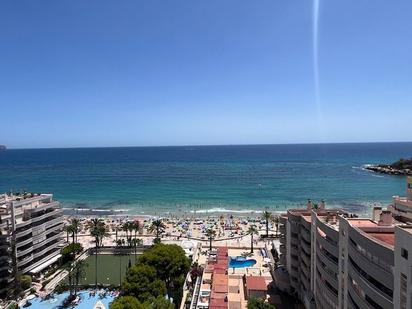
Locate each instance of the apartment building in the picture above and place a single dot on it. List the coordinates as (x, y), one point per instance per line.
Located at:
(401, 207)
(403, 267)
(31, 227)
(5, 255)
(325, 258)
(297, 248)
(367, 262)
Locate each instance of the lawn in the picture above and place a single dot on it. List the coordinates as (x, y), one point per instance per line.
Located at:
(110, 268)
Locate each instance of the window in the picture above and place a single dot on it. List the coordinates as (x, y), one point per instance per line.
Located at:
(404, 253)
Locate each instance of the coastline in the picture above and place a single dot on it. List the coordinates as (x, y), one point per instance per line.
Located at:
(360, 208)
(388, 169)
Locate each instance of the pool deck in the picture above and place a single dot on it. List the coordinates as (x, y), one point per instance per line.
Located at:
(226, 285)
(87, 301)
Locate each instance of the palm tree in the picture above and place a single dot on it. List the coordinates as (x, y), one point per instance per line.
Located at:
(68, 228)
(69, 268)
(127, 227)
(136, 242)
(118, 246)
(135, 227)
(74, 223)
(252, 231)
(276, 221)
(210, 234)
(158, 226)
(267, 216)
(79, 271)
(97, 229)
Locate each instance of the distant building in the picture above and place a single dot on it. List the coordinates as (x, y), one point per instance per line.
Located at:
(31, 234)
(401, 207)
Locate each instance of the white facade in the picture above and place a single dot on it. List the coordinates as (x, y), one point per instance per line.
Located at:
(403, 267)
(33, 227)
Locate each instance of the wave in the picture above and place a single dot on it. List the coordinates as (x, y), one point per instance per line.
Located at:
(94, 210)
(224, 210)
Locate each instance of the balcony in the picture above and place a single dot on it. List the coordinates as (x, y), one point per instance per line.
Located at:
(369, 289)
(329, 275)
(47, 240)
(24, 242)
(357, 298)
(44, 206)
(47, 215)
(294, 241)
(24, 252)
(54, 221)
(325, 290)
(327, 260)
(45, 250)
(328, 245)
(24, 233)
(305, 247)
(306, 237)
(377, 271)
(25, 261)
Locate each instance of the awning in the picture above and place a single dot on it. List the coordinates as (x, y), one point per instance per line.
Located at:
(45, 264)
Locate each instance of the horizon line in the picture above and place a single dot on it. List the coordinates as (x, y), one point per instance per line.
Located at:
(209, 145)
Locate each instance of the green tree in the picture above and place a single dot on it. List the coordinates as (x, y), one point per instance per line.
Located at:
(159, 303)
(252, 230)
(130, 302)
(267, 216)
(126, 302)
(69, 252)
(98, 230)
(25, 282)
(171, 265)
(74, 229)
(210, 234)
(157, 226)
(276, 221)
(143, 283)
(255, 303)
(79, 271)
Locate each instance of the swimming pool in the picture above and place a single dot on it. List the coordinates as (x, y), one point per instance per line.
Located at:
(87, 301)
(240, 262)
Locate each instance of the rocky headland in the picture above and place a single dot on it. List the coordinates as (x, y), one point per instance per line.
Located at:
(400, 167)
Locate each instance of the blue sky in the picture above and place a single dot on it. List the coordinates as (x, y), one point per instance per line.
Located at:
(163, 72)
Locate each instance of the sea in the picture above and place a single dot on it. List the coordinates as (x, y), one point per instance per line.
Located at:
(206, 179)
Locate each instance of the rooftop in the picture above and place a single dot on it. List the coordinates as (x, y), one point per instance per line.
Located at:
(388, 238)
(256, 283)
(360, 223)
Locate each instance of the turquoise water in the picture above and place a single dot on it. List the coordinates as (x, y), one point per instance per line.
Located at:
(241, 262)
(87, 302)
(153, 180)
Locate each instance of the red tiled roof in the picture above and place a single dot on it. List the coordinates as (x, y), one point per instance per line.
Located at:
(221, 271)
(220, 289)
(362, 223)
(217, 303)
(219, 279)
(256, 283)
(388, 238)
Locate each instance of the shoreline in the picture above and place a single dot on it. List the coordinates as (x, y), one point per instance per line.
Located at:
(213, 212)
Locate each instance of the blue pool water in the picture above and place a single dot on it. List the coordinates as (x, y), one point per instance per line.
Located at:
(87, 302)
(241, 262)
